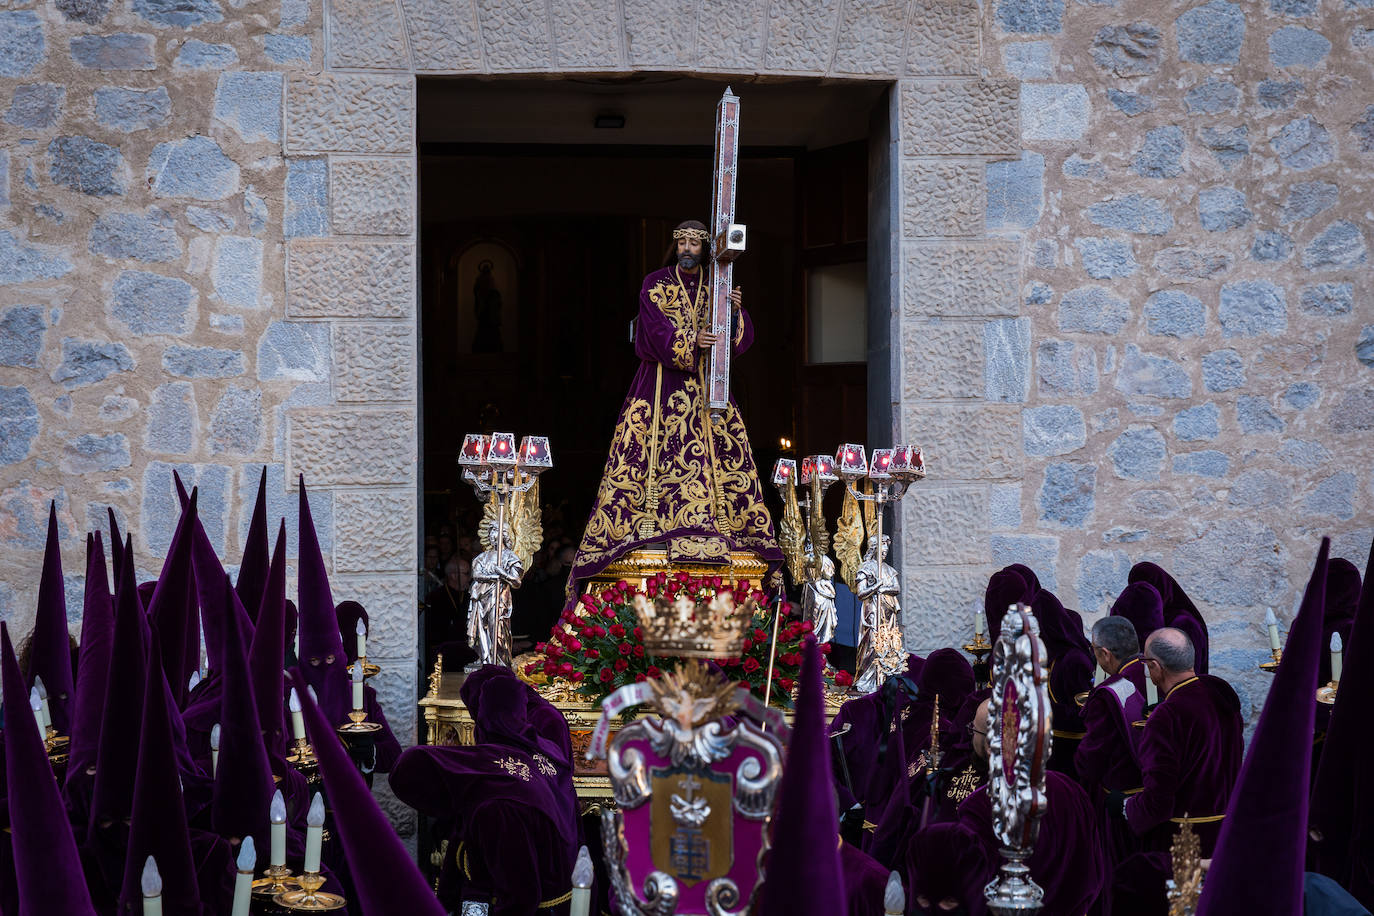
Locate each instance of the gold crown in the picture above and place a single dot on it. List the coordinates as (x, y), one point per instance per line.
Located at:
(691, 629)
(700, 235)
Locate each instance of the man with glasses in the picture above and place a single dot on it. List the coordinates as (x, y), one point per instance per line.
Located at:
(1190, 750)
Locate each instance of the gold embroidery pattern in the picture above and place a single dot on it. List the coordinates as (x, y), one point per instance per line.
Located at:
(963, 785)
(672, 301)
(545, 765)
(513, 767)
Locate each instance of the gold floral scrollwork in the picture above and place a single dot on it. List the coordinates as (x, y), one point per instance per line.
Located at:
(513, 767)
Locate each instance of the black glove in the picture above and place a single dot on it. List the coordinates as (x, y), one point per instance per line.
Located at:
(1116, 804)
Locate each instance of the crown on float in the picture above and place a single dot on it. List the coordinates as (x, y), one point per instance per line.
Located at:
(686, 628)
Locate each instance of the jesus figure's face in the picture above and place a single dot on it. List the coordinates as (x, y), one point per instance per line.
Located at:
(688, 253)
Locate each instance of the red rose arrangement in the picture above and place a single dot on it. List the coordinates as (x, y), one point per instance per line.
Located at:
(598, 647)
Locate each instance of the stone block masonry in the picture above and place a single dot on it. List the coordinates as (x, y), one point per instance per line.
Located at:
(1193, 287)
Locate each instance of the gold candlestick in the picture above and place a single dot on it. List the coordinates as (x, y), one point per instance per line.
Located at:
(1327, 694)
(303, 759)
(1273, 665)
(357, 724)
(276, 880)
(979, 648)
(369, 670)
(308, 898)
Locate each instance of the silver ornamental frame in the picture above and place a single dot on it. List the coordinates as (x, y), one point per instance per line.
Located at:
(1017, 779)
(756, 784)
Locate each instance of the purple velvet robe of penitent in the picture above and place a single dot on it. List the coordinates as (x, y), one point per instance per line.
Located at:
(1179, 610)
(1190, 756)
(1106, 757)
(706, 486)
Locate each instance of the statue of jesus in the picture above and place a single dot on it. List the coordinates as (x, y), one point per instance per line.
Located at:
(675, 475)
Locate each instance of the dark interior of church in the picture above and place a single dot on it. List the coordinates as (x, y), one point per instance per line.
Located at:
(543, 204)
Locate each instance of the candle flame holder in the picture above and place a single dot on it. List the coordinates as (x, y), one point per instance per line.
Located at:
(1272, 665)
(357, 724)
(302, 758)
(1327, 695)
(369, 670)
(308, 898)
(276, 880)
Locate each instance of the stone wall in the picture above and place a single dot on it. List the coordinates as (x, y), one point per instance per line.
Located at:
(1193, 376)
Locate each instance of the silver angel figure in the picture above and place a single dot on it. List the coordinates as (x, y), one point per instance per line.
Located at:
(876, 586)
(818, 601)
(489, 608)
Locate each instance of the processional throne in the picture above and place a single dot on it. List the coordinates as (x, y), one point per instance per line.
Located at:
(694, 783)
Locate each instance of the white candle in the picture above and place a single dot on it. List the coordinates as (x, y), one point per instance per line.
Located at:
(314, 834)
(151, 883)
(277, 813)
(43, 699)
(1151, 692)
(977, 625)
(193, 682)
(894, 897)
(297, 720)
(582, 884)
(1336, 657)
(37, 706)
(358, 684)
(296, 645)
(243, 881)
(1272, 623)
(214, 749)
(361, 630)
(1099, 676)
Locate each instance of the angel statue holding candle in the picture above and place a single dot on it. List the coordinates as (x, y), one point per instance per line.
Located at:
(876, 586)
(818, 601)
(495, 573)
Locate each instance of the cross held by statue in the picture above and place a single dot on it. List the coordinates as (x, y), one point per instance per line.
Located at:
(727, 243)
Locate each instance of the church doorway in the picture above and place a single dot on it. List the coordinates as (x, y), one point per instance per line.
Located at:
(542, 206)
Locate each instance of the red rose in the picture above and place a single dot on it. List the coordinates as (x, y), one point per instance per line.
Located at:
(747, 645)
(843, 678)
(680, 576)
(653, 671)
(565, 669)
(652, 590)
(608, 613)
(716, 581)
(606, 675)
(825, 648)
(621, 664)
(553, 651)
(592, 654)
(550, 668)
(568, 616)
(640, 678)
(639, 633)
(624, 648)
(751, 665)
(576, 677)
(786, 683)
(623, 585)
(806, 626)
(760, 636)
(745, 684)
(639, 651)
(618, 631)
(573, 644)
(531, 667)
(540, 646)
(608, 596)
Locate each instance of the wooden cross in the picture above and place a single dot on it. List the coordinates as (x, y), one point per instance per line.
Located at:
(727, 243)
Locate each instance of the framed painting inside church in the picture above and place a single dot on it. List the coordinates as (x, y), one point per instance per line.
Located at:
(487, 298)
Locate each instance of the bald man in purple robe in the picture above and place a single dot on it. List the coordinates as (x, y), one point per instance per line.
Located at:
(1190, 749)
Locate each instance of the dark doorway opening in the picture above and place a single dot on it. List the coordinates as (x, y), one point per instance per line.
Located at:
(539, 219)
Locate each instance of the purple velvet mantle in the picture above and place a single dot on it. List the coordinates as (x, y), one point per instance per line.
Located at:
(691, 470)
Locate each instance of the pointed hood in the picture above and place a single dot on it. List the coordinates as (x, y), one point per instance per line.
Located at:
(385, 877)
(348, 613)
(1005, 588)
(322, 658)
(46, 865)
(173, 605)
(93, 668)
(116, 544)
(243, 783)
(214, 611)
(803, 872)
(253, 569)
(1342, 814)
(158, 824)
(1266, 819)
(50, 654)
(1179, 610)
(1061, 629)
(1141, 604)
(267, 657)
(121, 722)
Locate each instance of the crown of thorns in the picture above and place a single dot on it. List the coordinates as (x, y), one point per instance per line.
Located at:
(699, 235)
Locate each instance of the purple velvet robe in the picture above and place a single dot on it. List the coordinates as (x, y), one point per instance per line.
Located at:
(1190, 756)
(865, 881)
(1106, 757)
(704, 488)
